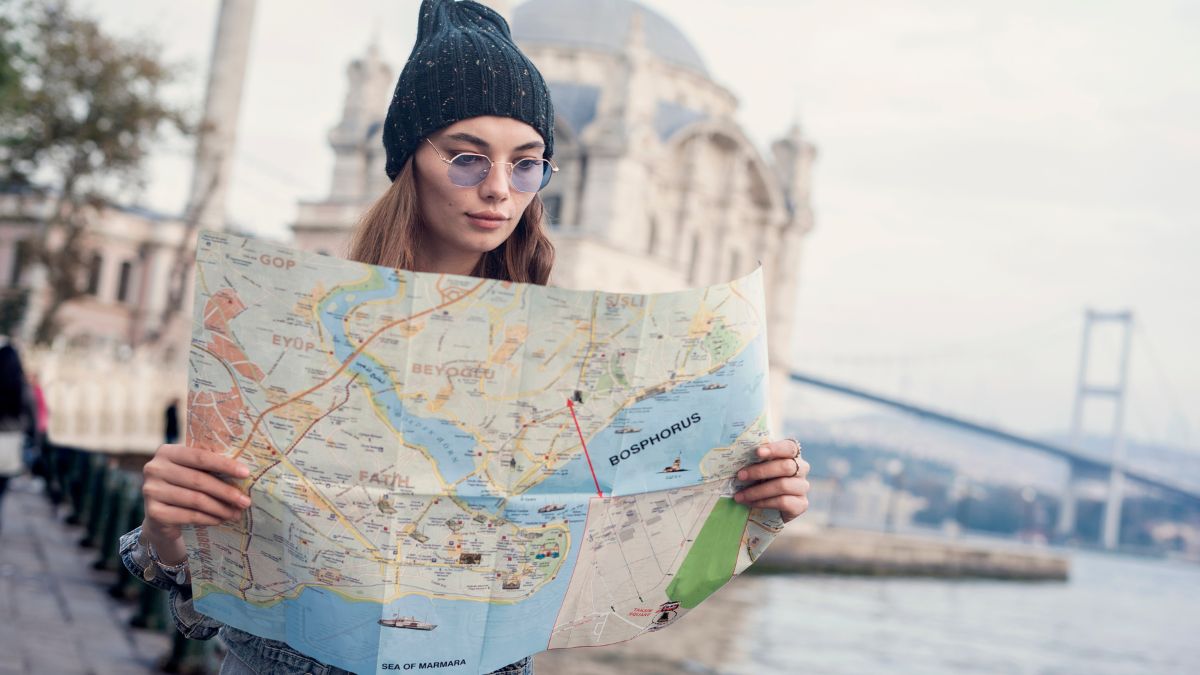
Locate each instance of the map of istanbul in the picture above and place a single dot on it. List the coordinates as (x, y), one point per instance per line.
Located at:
(451, 473)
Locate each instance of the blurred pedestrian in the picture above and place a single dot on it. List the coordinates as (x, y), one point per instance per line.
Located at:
(16, 417)
(36, 452)
(171, 423)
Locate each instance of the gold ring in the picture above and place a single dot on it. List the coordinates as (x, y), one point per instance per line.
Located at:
(797, 472)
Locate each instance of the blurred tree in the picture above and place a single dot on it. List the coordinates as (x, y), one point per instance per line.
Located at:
(9, 78)
(79, 113)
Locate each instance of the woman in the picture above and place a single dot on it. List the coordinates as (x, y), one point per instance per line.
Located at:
(469, 137)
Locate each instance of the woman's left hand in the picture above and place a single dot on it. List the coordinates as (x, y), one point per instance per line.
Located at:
(782, 480)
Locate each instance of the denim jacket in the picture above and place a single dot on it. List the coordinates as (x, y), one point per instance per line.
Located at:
(264, 656)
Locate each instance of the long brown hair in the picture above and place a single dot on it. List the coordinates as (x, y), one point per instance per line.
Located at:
(390, 234)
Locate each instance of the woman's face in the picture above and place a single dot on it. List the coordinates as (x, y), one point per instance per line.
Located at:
(461, 224)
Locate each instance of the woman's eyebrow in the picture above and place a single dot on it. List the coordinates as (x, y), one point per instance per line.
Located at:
(479, 142)
(468, 138)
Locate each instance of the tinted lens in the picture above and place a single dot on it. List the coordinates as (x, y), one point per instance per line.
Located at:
(531, 175)
(467, 170)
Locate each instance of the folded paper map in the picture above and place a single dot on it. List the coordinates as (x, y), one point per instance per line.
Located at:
(451, 473)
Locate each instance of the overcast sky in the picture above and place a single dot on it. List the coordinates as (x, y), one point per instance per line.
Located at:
(986, 171)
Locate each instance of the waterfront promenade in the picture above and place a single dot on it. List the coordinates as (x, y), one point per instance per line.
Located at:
(56, 613)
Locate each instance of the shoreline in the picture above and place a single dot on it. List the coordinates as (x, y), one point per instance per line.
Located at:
(808, 550)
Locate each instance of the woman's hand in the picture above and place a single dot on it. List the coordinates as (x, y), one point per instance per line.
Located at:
(180, 489)
(782, 480)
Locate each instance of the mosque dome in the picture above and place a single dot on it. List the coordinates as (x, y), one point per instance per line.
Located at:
(603, 25)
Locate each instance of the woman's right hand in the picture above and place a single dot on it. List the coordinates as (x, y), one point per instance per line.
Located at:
(180, 489)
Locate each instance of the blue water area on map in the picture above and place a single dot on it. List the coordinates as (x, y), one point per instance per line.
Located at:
(489, 505)
(318, 623)
(453, 450)
(347, 634)
(534, 510)
(726, 401)
(382, 285)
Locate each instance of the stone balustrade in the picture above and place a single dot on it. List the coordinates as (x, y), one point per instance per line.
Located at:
(108, 402)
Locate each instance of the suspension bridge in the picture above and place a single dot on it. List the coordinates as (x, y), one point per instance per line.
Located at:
(1081, 464)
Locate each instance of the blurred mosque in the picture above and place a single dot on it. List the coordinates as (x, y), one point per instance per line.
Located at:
(660, 188)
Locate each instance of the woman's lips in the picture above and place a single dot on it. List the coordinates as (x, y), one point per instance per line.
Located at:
(488, 220)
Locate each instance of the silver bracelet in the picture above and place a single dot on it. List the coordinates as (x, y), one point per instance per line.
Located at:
(178, 572)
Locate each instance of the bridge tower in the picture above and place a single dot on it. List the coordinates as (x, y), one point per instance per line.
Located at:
(1116, 393)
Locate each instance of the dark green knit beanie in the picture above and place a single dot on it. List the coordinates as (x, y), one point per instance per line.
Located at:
(464, 64)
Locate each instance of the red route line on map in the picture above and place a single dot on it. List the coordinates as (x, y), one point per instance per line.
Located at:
(585, 450)
(244, 552)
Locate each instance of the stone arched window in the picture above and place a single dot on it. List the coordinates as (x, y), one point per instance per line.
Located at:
(712, 180)
(125, 282)
(93, 273)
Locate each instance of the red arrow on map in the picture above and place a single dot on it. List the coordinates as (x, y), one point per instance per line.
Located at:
(571, 405)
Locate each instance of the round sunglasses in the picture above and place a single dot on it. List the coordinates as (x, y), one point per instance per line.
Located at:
(468, 169)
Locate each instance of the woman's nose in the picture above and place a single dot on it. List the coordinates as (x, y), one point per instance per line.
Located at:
(495, 185)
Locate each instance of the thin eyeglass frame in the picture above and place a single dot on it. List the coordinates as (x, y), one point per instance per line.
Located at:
(491, 163)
